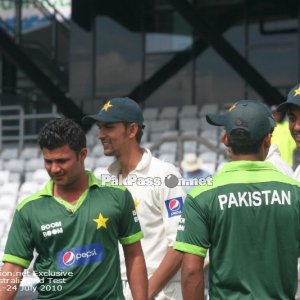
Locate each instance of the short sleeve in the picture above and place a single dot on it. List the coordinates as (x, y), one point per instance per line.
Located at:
(19, 247)
(193, 233)
(129, 227)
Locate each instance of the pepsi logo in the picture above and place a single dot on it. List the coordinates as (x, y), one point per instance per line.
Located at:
(78, 256)
(174, 205)
(68, 258)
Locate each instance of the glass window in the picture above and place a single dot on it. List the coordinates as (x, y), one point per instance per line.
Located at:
(118, 58)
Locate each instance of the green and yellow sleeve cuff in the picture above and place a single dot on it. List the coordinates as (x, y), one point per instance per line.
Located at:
(16, 260)
(132, 238)
(188, 248)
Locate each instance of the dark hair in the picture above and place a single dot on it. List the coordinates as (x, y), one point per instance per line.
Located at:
(241, 143)
(139, 133)
(62, 131)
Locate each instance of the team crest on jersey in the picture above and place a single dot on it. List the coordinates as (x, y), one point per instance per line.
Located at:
(78, 256)
(174, 206)
(101, 221)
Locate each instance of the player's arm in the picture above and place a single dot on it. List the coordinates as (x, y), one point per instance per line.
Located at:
(136, 270)
(171, 262)
(10, 278)
(165, 271)
(192, 277)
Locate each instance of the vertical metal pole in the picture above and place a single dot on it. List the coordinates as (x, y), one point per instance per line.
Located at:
(143, 62)
(246, 43)
(94, 56)
(1, 133)
(194, 69)
(21, 129)
(18, 21)
(53, 36)
(193, 87)
(298, 42)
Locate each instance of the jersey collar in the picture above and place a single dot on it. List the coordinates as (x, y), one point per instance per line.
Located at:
(247, 165)
(115, 167)
(48, 188)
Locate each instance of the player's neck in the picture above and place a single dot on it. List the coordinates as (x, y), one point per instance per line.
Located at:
(72, 192)
(130, 160)
(259, 156)
(251, 157)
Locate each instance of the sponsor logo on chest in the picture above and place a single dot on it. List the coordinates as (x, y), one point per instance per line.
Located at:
(78, 256)
(50, 229)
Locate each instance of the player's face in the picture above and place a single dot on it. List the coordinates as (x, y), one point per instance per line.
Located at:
(114, 137)
(293, 114)
(64, 165)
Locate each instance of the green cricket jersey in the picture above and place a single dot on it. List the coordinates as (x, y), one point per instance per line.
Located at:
(77, 246)
(249, 219)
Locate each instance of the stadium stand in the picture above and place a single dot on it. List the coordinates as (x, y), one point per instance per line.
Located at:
(96, 151)
(168, 157)
(187, 124)
(90, 163)
(188, 111)
(168, 148)
(150, 113)
(169, 112)
(208, 108)
(9, 153)
(30, 151)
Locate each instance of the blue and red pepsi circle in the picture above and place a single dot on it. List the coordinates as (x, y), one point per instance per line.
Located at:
(68, 258)
(174, 206)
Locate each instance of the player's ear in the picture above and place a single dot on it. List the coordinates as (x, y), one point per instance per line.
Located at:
(224, 139)
(267, 140)
(132, 130)
(83, 153)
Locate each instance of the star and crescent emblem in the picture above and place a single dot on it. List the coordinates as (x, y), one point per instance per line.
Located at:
(297, 91)
(106, 106)
(232, 107)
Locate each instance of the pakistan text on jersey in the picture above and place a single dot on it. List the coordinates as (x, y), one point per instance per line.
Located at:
(255, 198)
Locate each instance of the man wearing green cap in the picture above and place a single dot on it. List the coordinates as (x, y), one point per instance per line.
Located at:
(158, 205)
(292, 108)
(248, 219)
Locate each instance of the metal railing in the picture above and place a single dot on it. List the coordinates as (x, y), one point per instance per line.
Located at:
(55, 18)
(12, 124)
(180, 139)
(59, 26)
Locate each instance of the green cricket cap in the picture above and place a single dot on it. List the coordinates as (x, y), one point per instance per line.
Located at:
(246, 120)
(292, 98)
(121, 109)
